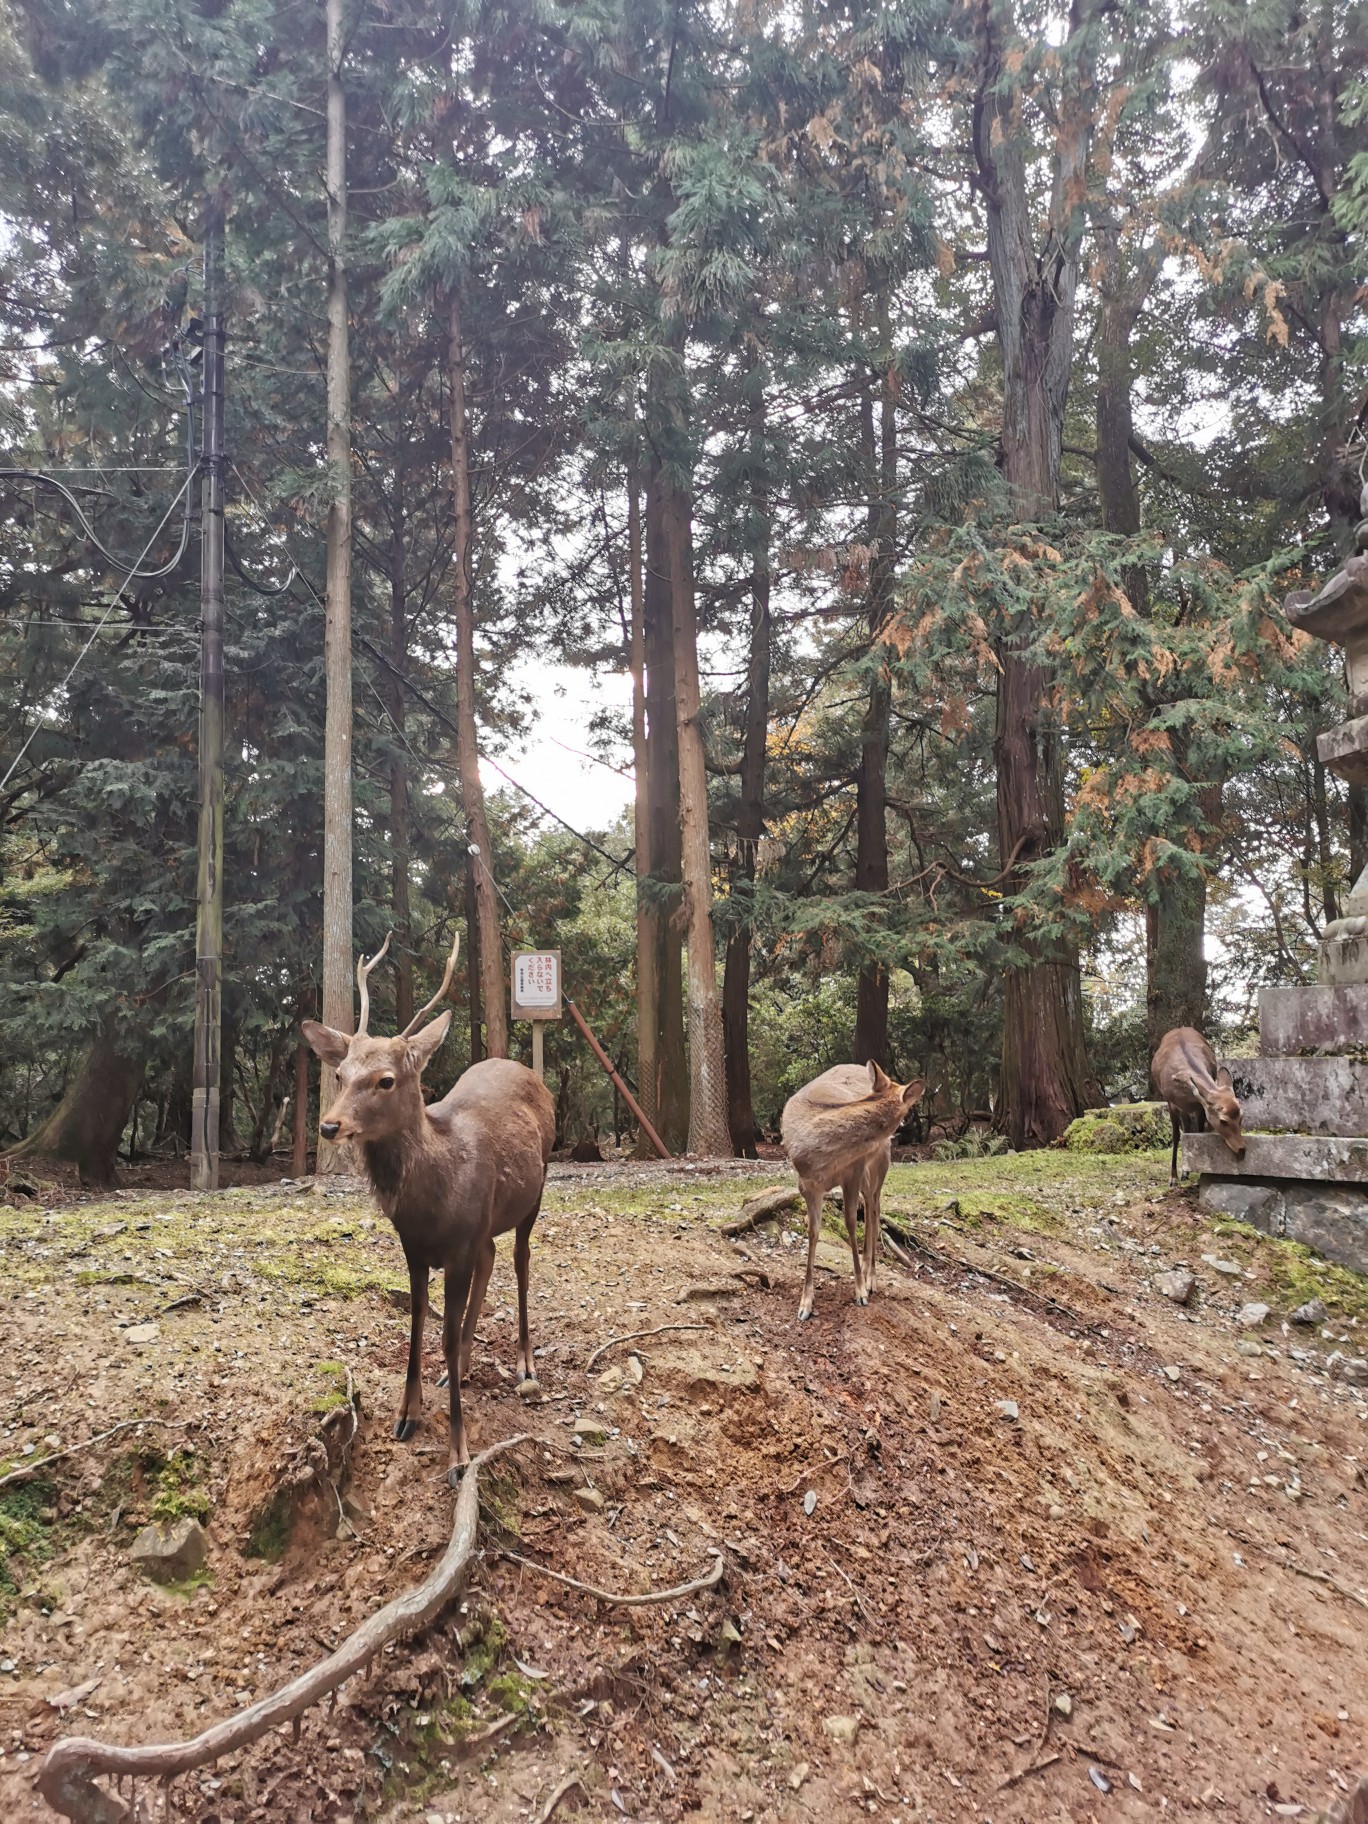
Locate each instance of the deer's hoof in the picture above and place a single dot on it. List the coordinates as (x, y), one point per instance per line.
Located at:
(443, 1379)
(804, 1317)
(455, 1473)
(862, 1298)
(405, 1428)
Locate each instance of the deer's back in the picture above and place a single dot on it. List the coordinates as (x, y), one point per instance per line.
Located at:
(490, 1137)
(820, 1138)
(1183, 1049)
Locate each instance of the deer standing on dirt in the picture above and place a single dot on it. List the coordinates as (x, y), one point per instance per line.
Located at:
(1198, 1095)
(450, 1176)
(839, 1129)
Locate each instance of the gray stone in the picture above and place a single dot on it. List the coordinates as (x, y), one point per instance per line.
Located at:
(592, 1431)
(590, 1499)
(1177, 1284)
(1326, 1158)
(1343, 961)
(1353, 1370)
(1252, 1315)
(1323, 1095)
(1302, 1022)
(1258, 1204)
(169, 1551)
(1009, 1410)
(843, 1728)
(1332, 1220)
(1344, 749)
(1313, 1312)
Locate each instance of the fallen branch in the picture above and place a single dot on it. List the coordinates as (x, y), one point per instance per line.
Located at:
(1025, 1772)
(952, 1261)
(29, 1469)
(768, 1206)
(1340, 1589)
(566, 1786)
(708, 1582)
(633, 1336)
(67, 1776)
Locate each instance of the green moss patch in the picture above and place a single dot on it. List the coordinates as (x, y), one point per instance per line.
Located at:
(28, 1537)
(1129, 1127)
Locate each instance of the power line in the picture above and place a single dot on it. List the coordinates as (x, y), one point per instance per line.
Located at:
(100, 623)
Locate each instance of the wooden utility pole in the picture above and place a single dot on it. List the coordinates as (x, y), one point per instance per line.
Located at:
(204, 1118)
(337, 1009)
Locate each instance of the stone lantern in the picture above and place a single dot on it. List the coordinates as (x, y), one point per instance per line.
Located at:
(1305, 1097)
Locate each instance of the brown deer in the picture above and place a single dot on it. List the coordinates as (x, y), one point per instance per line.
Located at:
(1198, 1095)
(450, 1176)
(839, 1129)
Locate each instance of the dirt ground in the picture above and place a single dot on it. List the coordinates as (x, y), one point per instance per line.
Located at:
(1036, 1546)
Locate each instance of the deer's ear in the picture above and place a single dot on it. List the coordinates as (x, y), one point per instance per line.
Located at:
(913, 1092)
(1223, 1077)
(878, 1079)
(425, 1041)
(329, 1045)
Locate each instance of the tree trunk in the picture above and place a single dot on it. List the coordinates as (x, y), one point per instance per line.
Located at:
(871, 788)
(708, 1134)
(338, 1007)
(667, 1106)
(299, 1156)
(467, 743)
(1045, 1078)
(87, 1124)
(398, 770)
(472, 916)
(647, 981)
(750, 814)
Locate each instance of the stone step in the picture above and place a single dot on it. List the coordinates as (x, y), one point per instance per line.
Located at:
(1308, 1022)
(1331, 1218)
(1327, 1158)
(1325, 1095)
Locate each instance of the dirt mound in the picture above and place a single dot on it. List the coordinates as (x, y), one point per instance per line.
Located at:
(1019, 1540)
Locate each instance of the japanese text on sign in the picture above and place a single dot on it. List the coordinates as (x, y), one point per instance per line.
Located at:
(536, 979)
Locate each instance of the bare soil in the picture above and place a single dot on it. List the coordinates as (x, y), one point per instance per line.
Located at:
(1049, 1549)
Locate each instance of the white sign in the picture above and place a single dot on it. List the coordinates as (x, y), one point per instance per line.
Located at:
(536, 984)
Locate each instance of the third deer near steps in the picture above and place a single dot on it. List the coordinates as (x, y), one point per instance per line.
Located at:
(839, 1129)
(450, 1176)
(1198, 1094)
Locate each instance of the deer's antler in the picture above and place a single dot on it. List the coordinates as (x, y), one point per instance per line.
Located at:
(440, 995)
(363, 969)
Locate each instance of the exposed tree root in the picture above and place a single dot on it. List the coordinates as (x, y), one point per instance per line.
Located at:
(1027, 1294)
(67, 1778)
(633, 1335)
(565, 1787)
(26, 1470)
(766, 1207)
(709, 1581)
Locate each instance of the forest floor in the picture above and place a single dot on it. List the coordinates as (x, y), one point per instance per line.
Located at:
(1021, 1540)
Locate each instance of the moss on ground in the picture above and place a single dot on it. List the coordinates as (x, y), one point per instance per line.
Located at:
(1127, 1127)
(178, 1489)
(28, 1537)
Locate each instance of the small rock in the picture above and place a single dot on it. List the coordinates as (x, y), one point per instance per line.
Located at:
(1171, 1373)
(142, 1333)
(590, 1500)
(530, 1389)
(1063, 1703)
(610, 1381)
(170, 1551)
(1177, 1285)
(1008, 1409)
(935, 1408)
(590, 1430)
(1099, 1779)
(1230, 1268)
(1245, 1347)
(1313, 1312)
(1056, 1511)
(798, 1775)
(842, 1728)
(1252, 1315)
(810, 1501)
(1347, 1368)
(634, 1370)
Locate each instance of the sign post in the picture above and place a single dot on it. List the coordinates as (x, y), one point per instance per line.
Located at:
(536, 994)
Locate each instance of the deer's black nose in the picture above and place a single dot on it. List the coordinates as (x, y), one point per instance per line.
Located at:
(329, 1129)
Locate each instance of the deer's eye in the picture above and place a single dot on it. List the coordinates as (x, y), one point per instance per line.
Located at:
(386, 1083)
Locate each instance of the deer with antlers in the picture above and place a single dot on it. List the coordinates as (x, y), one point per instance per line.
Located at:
(450, 1175)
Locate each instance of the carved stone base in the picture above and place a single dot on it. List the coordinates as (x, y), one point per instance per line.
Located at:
(1332, 1218)
(1313, 1022)
(1326, 1158)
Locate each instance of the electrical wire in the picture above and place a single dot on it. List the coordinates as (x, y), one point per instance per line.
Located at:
(38, 478)
(134, 572)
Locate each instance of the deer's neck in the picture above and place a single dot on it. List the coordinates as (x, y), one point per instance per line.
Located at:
(395, 1161)
(856, 1125)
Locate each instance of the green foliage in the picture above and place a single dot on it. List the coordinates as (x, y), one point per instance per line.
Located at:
(1125, 1127)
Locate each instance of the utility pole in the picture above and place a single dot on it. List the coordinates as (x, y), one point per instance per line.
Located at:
(204, 1121)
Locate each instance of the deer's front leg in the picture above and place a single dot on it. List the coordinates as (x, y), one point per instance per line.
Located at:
(475, 1305)
(411, 1405)
(457, 1291)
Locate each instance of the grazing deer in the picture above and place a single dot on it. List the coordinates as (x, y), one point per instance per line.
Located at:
(450, 1176)
(839, 1129)
(1198, 1095)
